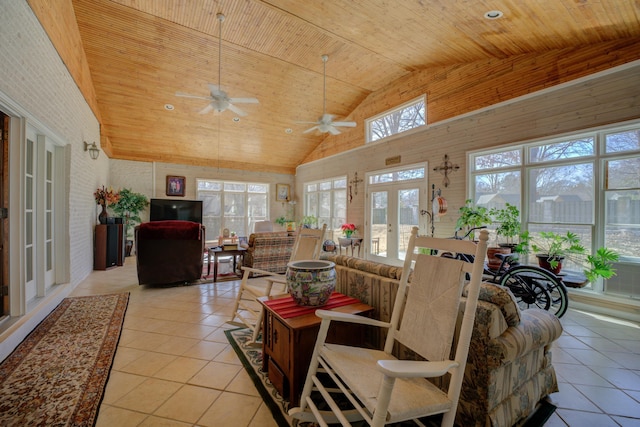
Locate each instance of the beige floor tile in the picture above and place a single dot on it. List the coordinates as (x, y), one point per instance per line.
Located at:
(181, 369)
(228, 355)
(263, 418)
(110, 416)
(162, 422)
(243, 384)
(188, 404)
(126, 355)
(148, 396)
(120, 383)
(177, 345)
(215, 375)
(205, 350)
(231, 410)
(142, 340)
(148, 364)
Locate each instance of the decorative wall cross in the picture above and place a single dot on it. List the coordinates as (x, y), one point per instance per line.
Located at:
(445, 167)
(355, 182)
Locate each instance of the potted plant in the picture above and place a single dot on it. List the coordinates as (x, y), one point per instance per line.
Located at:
(309, 221)
(551, 249)
(472, 216)
(509, 227)
(129, 206)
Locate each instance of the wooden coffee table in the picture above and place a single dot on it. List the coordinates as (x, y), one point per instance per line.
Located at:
(287, 344)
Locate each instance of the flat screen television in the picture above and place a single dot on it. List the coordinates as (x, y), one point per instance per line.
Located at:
(186, 210)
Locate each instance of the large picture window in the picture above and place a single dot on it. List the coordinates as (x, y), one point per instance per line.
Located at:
(327, 201)
(586, 183)
(232, 205)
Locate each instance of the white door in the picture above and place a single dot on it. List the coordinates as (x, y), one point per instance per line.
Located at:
(395, 199)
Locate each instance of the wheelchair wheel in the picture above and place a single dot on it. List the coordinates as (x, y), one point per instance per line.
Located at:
(536, 287)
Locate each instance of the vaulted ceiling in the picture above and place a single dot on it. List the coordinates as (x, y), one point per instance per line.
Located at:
(139, 53)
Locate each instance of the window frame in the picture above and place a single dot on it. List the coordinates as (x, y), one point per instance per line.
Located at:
(247, 219)
(334, 222)
(368, 122)
(598, 161)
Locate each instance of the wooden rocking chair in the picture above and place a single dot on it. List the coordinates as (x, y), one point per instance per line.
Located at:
(380, 388)
(247, 310)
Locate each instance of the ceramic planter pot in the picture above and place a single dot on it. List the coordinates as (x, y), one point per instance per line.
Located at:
(543, 262)
(311, 282)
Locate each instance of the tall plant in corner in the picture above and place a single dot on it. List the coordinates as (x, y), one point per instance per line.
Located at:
(129, 206)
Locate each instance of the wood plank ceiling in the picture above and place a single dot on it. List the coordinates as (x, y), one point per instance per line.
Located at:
(141, 52)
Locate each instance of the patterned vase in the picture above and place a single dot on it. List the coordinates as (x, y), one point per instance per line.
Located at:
(311, 282)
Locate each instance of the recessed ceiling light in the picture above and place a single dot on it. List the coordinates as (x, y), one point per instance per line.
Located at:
(168, 107)
(236, 119)
(288, 130)
(493, 14)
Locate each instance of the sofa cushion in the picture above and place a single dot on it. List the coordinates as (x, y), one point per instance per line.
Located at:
(503, 299)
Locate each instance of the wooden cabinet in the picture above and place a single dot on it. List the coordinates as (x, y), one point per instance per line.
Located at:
(108, 246)
(287, 345)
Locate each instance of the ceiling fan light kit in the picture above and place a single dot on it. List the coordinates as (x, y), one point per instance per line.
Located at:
(325, 123)
(219, 101)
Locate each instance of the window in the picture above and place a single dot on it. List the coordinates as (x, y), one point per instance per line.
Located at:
(327, 200)
(400, 119)
(585, 183)
(233, 205)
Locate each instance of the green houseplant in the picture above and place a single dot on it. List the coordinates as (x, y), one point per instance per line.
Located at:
(309, 221)
(509, 227)
(556, 247)
(472, 216)
(129, 206)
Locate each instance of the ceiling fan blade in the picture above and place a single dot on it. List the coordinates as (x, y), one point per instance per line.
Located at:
(236, 110)
(187, 95)
(344, 124)
(306, 123)
(206, 109)
(244, 100)
(311, 129)
(332, 130)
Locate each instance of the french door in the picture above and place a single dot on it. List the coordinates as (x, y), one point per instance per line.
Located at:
(395, 200)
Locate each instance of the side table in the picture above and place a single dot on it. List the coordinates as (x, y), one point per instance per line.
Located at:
(287, 342)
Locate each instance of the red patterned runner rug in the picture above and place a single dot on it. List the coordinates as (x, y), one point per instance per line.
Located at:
(58, 374)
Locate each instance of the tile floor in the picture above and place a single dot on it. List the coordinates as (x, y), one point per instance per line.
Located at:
(175, 367)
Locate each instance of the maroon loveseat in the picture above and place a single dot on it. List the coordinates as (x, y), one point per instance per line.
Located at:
(169, 251)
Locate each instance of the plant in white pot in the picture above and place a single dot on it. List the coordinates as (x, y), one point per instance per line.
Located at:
(129, 206)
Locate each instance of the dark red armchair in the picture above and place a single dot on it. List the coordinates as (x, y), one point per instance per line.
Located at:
(169, 251)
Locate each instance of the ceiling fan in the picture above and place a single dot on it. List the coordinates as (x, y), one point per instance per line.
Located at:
(325, 123)
(219, 100)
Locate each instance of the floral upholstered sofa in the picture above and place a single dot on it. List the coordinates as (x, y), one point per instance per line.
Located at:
(269, 251)
(509, 366)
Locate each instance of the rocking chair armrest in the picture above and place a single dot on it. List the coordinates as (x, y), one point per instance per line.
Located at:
(415, 368)
(258, 271)
(277, 279)
(351, 318)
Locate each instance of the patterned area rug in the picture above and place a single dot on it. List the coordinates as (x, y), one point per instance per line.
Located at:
(57, 375)
(251, 358)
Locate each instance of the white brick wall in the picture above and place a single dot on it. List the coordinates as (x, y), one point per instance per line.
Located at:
(35, 84)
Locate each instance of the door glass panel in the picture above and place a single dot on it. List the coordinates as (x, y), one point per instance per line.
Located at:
(408, 206)
(379, 223)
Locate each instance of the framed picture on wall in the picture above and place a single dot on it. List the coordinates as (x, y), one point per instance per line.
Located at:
(175, 185)
(282, 192)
